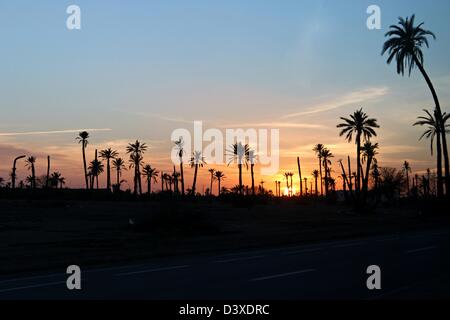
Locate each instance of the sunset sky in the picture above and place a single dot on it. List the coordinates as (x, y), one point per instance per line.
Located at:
(140, 69)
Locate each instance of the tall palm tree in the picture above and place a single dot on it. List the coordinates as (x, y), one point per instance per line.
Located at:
(326, 162)
(432, 131)
(318, 150)
(291, 175)
(13, 172)
(286, 176)
(83, 140)
(369, 152)
(405, 46)
(219, 175)
(316, 175)
(150, 174)
(180, 147)
(136, 151)
(30, 163)
(363, 127)
(54, 179)
(407, 170)
(197, 161)
(108, 154)
(239, 153)
(212, 173)
(119, 165)
(176, 177)
(252, 160)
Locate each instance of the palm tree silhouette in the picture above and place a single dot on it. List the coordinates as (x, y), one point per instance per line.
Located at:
(219, 175)
(119, 165)
(175, 178)
(252, 160)
(180, 147)
(363, 127)
(407, 170)
(405, 46)
(316, 175)
(212, 173)
(286, 176)
(369, 151)
(150, 174)
(326, 162)
(291, 175)
(432, 131)
(55, 179)
(83, 139)
(96, 168)
(30, 162)
(62, 182)
(47, 180)
(239, 153)
(318, 150)
(108, 154)
(197, 161)
(136, 151)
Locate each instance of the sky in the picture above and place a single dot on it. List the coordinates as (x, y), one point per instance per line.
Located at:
(141, 69)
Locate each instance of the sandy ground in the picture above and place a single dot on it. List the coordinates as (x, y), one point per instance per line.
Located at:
(43, 235)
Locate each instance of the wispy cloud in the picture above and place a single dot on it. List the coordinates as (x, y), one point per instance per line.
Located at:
(342, 101)
(35, 133)
(276, 125)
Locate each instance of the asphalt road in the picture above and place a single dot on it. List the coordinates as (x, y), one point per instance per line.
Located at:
(413, 266)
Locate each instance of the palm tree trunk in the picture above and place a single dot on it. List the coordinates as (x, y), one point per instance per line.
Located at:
(162, 181)
(240, 178)
(118, 179)
(211, 185)
(300, 176)
(195, 179)
(218, 191)
(316, 186)
(252, 166)
(84, 163)
(350, 183)
(440, 187)
(321, 176)
(33, 177)
(182, 176)
(108, 175)
(149, 187)
(442, 125)
(407, 181)
(48, 172)
(358, 162)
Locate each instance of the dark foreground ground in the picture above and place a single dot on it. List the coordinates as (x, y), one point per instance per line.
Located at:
(215, 250)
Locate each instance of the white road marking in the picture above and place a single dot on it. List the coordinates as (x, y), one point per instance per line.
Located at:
(238, 259)
(48, 284)
(282, 275)
(302, 251)
(420, 250)
(151, 270)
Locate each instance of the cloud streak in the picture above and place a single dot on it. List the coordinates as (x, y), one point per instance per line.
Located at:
(36, 133)
(347, 99)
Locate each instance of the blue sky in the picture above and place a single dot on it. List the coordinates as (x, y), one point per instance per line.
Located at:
(144, 68)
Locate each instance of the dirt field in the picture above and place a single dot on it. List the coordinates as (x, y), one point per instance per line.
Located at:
(46, 235)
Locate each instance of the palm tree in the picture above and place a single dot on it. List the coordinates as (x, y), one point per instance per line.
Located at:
(54, 179)
(286, 176)
(363, 127)
(318, 150)
(219, 175)
(316, 175)
(212, 172)
(407, 170)
(136, 151)
(197, 161)
(405, 46)
(239, 152)
(180, 146)
(150, 174)
(252, 160)
(30, 162)
(47, 180)
(291, 175)
(369, 151)
(96, 168)
(326, 162)
(119, 165)
(432, 131)
(83, 139)
(176, 177)
(108, 154)
(62, 182)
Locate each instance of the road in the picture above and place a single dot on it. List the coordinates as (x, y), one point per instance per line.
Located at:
(413, 265)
